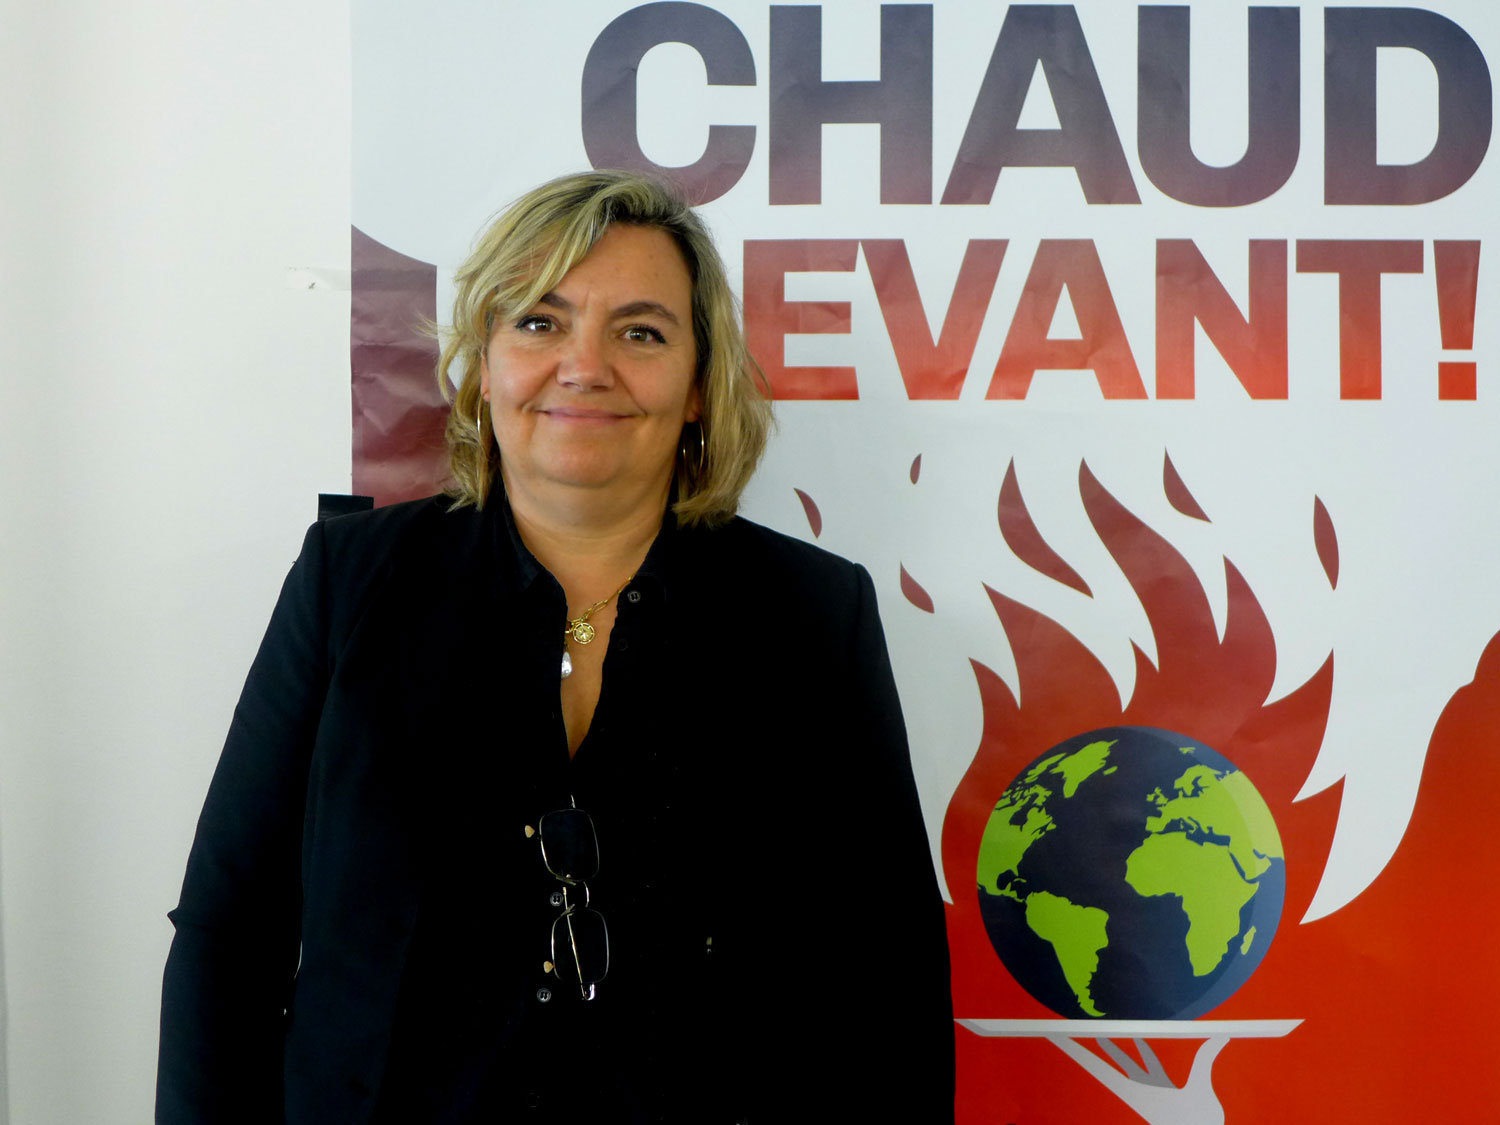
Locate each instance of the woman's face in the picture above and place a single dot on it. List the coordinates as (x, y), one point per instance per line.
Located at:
(592, 386)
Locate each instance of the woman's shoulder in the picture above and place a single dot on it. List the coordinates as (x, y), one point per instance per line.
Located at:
(776, 560)
(358, 545)
(741, 534)
(382, 527)
(398, 555)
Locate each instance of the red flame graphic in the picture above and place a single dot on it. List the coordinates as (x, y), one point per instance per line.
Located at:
(1398, 989)
(814, 517)
(1394, 991)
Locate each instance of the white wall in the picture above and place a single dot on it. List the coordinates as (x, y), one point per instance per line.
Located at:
(169, 407)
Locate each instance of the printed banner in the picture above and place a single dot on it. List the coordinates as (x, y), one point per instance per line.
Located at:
(1146, 356)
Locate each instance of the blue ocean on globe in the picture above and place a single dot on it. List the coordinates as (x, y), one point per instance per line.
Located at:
(1131, 873)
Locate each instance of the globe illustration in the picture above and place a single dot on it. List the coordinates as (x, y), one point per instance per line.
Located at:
(1131, 873)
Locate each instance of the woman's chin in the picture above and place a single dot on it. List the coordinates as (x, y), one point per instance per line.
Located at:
(597, 474)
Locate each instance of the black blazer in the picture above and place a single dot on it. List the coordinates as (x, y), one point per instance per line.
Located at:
(368, 727)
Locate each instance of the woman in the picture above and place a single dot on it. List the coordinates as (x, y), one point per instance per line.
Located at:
(568, 797)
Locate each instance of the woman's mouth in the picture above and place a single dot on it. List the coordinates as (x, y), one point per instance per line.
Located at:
(581, 415)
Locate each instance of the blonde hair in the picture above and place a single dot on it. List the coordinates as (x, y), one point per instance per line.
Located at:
(524, 254)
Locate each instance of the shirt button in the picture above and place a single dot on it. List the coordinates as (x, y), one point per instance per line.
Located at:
(544, 994)
(555, 898)
(633, 597)
(622, 644)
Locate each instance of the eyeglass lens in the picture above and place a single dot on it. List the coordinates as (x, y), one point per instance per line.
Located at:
(570, 849)
(580, 946)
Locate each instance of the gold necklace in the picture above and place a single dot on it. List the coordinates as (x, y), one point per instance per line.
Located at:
(579, 628)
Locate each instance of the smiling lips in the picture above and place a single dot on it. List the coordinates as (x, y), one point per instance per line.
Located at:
(581, 414)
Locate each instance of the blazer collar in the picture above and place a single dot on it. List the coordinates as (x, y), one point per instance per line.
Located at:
(518, 571)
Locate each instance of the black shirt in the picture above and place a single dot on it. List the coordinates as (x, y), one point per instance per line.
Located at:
(632, 1053)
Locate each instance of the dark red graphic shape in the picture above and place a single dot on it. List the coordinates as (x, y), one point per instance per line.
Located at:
(399, 414)
(1177, 492)
(1023, 538)
(1327, 541)
(916, 468)
(1212, 689)
(814, 517)
(913, 592)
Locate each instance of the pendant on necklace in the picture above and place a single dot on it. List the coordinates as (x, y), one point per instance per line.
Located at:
(581, 631)
(567, 665)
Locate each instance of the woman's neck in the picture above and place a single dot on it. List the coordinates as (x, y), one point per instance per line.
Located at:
(585, 538)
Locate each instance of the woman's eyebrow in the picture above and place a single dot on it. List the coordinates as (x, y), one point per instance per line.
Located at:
(646, 308)
(632, 308)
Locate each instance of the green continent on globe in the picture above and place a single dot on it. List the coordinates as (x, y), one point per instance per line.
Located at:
(1005, 842)
(1079, 766)
(1076, 934)
(1203, 877)
(1200, 850)
(1221, 804)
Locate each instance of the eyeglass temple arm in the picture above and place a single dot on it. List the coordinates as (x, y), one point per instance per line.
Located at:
(586, 989)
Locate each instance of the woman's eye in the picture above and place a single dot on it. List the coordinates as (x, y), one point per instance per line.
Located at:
(534, 324)
(644, 333)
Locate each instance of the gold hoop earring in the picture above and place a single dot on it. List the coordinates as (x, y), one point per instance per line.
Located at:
(695, 474)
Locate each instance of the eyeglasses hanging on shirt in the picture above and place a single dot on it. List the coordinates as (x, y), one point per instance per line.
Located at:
(580, 939)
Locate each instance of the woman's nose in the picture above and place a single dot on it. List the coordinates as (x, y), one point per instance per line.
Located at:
(585, 363)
